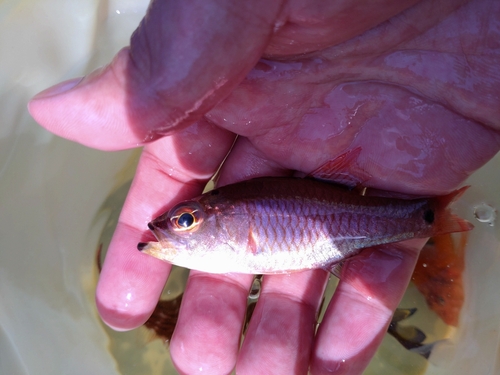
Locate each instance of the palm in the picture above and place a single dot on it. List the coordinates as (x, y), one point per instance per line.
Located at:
(419, 103)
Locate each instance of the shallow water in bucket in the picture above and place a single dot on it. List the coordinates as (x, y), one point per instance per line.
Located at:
(57, 201)
(452, 355)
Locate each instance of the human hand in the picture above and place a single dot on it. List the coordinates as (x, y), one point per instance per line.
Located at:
(418, 93)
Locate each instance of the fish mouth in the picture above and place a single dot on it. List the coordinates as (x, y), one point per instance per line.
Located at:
(157, 228)
(159, 250)
(142, 245)
(162, 248)
(153, 230)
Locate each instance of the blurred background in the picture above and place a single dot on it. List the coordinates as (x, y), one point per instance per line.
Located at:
(59, 202)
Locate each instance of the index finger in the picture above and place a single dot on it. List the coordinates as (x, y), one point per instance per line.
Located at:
(171, 169)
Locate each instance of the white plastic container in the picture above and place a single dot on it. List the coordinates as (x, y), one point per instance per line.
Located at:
(51, 191)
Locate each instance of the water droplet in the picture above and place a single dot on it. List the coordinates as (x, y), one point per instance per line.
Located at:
(484, 213)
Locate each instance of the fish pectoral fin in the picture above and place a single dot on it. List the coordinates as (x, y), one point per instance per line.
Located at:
(335, 267)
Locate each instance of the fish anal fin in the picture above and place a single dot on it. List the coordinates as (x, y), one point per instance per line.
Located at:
(343, 169)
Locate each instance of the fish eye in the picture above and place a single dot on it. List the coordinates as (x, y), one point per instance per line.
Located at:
(186, 217)
(185, 220)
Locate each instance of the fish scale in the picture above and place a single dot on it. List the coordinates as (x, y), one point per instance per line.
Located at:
(283, 224)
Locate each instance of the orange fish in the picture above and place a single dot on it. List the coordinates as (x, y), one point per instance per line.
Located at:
(284, 224)
(438, 276)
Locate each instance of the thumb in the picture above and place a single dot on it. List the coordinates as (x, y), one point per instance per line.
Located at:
(183, 59)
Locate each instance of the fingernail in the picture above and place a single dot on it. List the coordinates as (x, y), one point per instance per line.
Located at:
(59, 88)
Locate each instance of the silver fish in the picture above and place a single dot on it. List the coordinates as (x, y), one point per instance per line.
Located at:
(283, 224)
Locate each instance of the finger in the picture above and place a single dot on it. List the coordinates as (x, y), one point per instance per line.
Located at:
(184, 58)
(171, 169)
(371, 286)
(281, 330)
(207, 334)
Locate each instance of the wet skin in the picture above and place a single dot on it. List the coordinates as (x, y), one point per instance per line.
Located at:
(414, 84)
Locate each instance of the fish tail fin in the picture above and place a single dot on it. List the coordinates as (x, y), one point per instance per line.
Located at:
(446, 221)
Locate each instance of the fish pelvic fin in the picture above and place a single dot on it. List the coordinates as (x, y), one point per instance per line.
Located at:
(446, 221)
(335, 269)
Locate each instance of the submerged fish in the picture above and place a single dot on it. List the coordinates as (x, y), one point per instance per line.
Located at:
(284, 224)
(438, 276)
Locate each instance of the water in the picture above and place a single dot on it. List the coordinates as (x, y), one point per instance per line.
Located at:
(51, 191)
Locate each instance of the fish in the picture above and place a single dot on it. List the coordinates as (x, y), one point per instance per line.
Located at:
(438, 276)
(270, 225)
(164, 318)
(410, 337)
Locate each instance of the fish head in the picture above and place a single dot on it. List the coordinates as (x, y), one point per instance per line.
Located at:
(180, 224)
(190, 235)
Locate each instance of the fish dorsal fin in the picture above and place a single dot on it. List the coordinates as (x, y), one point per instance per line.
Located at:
(343, 170)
